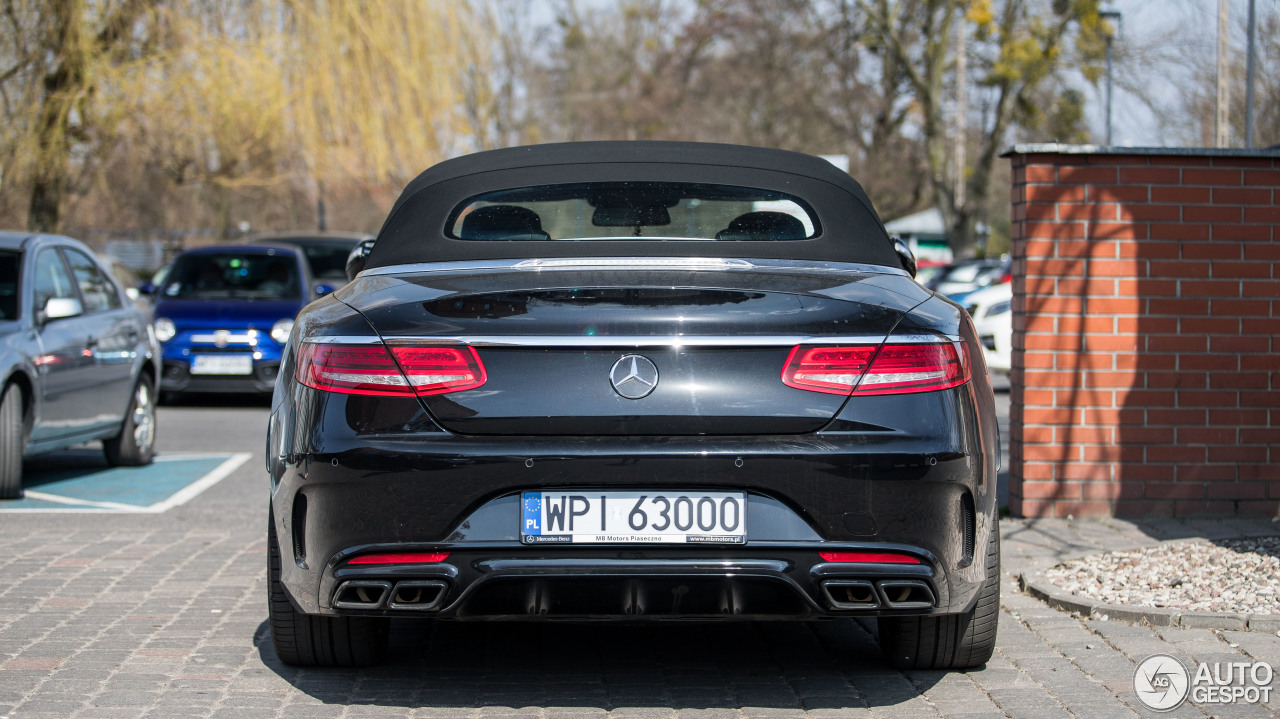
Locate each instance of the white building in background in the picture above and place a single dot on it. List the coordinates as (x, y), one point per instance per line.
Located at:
(926, 234)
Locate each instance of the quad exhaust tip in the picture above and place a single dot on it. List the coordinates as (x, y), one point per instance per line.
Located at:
(419, 595)
(361, 594)
(906, 594)
(850, 594)
(885, 593)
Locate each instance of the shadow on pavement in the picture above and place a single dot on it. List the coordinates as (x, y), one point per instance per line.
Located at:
(217, 400)
(799, 665)
(61, 465)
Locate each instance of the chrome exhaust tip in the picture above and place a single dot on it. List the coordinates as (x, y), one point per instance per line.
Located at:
(850, 594)
(418, 595)
(361, 594)
(906, 594)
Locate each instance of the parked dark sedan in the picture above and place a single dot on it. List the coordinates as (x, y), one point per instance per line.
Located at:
(78, 360)
(326, 250)
(634, 381)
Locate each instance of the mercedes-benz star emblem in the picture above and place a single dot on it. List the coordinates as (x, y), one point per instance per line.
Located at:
(634, 376)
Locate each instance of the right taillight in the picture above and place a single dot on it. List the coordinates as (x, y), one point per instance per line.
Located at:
(869, 370)
(373, 370)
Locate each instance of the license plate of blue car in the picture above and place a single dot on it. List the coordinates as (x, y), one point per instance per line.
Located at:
(636, 517)
(222, 364)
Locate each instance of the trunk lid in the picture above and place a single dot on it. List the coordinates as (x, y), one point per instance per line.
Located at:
(632, 352)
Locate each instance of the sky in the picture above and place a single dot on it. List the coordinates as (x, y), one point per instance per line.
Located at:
(1183, 27)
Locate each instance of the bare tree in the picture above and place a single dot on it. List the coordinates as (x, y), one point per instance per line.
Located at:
(1194, 119)
(1018, 49)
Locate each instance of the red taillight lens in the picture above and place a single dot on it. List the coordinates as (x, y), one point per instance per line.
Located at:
(869, 557)
(371, 370)
(867, 370)
(437, 370)
(351, 369)
(898, 369)
(834, 370)
(401, 558)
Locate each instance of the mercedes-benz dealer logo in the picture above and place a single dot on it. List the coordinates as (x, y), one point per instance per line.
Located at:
(634, 376)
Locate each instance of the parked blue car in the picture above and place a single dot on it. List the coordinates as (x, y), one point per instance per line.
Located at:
(224, 313)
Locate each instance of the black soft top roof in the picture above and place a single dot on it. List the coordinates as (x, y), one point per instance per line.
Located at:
(415, 230)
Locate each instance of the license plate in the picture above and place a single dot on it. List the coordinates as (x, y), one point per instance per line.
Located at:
(633, 517)
(222, 364)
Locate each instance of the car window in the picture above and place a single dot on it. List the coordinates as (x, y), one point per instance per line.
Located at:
(97, 292)
(9, 264)
(633, 211)
(234, 275)
(51, 279)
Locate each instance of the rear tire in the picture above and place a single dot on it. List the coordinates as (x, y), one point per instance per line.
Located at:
(304, 640)
(949, 641)
(136, 443)
(12, 442)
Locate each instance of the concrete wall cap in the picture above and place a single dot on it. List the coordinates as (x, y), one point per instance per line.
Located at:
(1053, 148)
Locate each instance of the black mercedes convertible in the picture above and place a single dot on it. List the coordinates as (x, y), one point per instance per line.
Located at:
(633, 381)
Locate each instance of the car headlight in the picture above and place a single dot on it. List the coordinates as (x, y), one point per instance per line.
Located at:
(165, 329)
(999, 308)
(281, 329)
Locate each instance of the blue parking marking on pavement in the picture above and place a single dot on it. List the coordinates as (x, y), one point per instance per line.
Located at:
(165, 483)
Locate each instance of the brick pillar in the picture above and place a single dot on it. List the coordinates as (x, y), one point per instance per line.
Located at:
(1146, 300)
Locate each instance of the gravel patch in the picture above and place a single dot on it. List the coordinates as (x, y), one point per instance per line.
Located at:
(1236, 575)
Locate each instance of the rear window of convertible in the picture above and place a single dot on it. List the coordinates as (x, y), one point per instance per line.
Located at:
(659, 211)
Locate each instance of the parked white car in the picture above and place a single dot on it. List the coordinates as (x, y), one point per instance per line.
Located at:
(993, 319)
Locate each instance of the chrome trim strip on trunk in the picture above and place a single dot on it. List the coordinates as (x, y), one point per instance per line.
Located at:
(713, 264)
(629, 263)
(638, 340)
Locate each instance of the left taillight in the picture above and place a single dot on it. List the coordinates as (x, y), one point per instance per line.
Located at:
(373, 370)
(872, 370)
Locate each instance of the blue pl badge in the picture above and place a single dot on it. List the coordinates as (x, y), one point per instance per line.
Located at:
(532, 519)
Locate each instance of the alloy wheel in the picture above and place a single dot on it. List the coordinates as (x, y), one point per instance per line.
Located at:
(144, 418)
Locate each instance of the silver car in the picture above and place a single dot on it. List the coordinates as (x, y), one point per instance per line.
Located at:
(78, 360)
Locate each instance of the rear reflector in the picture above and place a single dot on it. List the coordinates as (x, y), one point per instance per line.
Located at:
(402, 558)
(869, 557)
(372, 370)
(869, 370)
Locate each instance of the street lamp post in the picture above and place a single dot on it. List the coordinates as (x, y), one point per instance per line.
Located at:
(1249, 72)
(1112, 18)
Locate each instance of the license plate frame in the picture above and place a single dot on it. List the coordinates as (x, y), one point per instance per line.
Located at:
(222, 364)
(585, 517)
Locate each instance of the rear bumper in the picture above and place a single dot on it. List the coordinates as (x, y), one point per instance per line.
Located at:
(447, 494)
(760, 583)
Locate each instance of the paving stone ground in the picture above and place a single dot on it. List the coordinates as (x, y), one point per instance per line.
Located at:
(129, 615)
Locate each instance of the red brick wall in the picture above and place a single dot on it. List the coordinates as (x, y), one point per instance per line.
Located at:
(1147, 312)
